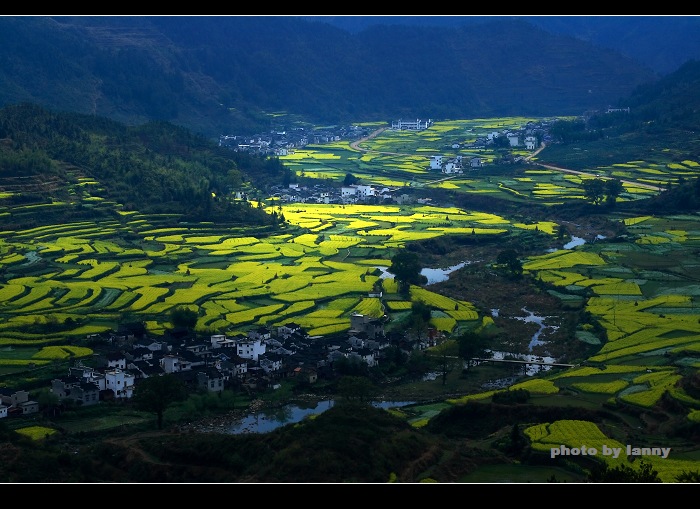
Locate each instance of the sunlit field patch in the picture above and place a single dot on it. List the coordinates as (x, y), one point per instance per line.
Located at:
(36, 432)
(562, 259)
(585, 371)
(657, 383)
(537, 386)
(62, 352)
(399, 305)
(635, 220)
(601, 387)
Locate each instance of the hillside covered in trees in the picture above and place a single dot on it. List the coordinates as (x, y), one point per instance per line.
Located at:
(245, 74)
(155, 167)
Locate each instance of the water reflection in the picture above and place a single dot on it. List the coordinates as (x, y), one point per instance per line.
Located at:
(530, 369)
(269, 420)
(440, 275)
(433, 275)
(574, 242)
(539, 320)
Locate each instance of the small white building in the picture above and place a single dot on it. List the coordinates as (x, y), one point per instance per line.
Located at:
(364, 191)
(250, 349)
(221, 341)
(121, 383)
(170, 363)
(453, 166)
(348, 193)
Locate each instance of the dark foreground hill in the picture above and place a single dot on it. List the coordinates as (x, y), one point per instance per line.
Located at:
(351, 442)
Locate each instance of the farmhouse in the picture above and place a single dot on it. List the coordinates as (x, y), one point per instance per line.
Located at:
(17, 402)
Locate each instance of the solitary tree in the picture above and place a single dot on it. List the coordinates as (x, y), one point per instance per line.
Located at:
(349, 179)
(406, 268)
(472, 345)
(448, 360)
(156, 393)
(594, 190)
(183, 317)
(508, 260)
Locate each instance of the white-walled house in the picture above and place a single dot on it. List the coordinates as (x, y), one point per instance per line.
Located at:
(348, 192)
(121, 383)
(366, 355)
(13, 398)
(170, 363)
(271, 363)
(88, 374)
(514, 140)
(453, 166)
(250, 349)
(364, 191)
(530, 142)
(221, 341)
(261, 333)
(356, 192)
(116, 360)
(436, 162)
(288, 329)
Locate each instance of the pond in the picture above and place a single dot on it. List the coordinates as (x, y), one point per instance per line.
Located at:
(440, 275)
(574, 242)
(265, 421)
(433, 275)
(577, 241)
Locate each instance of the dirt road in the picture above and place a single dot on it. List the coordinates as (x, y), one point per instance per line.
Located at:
(356, 144)
(587, 174)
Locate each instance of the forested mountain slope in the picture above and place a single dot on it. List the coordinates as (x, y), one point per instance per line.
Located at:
(230, 74)
(154, 167)
(661, 42)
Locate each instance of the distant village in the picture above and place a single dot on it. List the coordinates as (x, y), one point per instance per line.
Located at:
(281, 143)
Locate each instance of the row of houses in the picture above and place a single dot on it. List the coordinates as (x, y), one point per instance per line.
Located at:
(454, 164)
(347, 194)
(256, 360)
(284, 142)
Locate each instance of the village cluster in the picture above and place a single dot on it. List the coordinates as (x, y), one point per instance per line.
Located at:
(255, 361)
